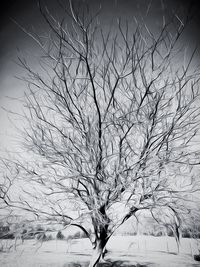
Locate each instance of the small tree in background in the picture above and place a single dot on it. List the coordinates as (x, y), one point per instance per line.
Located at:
(111, 126)
(60, 236)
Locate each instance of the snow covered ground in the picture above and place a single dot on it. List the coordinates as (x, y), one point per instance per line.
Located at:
(123, 250)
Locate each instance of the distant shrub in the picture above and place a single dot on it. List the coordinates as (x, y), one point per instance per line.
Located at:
(186, 233)
(128, 233)
(24, 231)
(60, 235)
(39, 228)
(41, 237)
(195, 235)
(133, 234)
(76, 235)
(10, 236)
(7, 236)
(159, 233)
(5, 233)
(170, 232)
(48, 237)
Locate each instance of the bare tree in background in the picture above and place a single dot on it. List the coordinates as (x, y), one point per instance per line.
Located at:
(111, 126)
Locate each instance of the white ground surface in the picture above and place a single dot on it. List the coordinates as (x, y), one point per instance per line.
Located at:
(126, 250)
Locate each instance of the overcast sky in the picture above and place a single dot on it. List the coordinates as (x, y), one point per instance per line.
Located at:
(26, 13)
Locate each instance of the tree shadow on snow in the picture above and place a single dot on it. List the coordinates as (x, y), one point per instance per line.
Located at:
(107, 264)
(167, 252)
(120, 264)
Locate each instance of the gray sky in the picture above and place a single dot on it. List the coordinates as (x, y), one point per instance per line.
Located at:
(27, 14)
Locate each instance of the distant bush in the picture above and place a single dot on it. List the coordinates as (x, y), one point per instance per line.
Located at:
(170, 232)
(5, 233)
(7, 236)
(78, 235)
(39, 228)
(186, 233)
(43, 237)
(60, 235)
(154, 233)
(29, 235)
(195, 235)
(49, 237)
(159, 233)
(132, 233)
(128, 233)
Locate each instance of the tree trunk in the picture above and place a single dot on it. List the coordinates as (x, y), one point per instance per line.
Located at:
(97, 253)
(178, 244)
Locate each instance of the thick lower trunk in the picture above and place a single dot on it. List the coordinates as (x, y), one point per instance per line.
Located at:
(97, 254)
(178, 244)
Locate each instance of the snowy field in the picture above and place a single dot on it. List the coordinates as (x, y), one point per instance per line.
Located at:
(123, 251)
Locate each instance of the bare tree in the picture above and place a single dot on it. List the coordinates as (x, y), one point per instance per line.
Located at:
(112, 120)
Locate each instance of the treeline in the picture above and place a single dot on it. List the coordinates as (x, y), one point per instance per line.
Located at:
(40, 232)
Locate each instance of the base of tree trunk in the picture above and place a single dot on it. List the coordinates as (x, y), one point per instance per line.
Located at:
(96, 257)
(197, 257)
